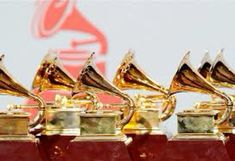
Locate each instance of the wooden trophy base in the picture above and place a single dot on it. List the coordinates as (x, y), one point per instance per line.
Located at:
(97, 151)
(230, 146)
(13, 150)
(146, 147)
(54, 147)
(194, 150)
(69, 148)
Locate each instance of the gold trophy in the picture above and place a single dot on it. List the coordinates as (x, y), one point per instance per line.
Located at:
(220, 75)
(151, 109)
(15, 123)
(198, 123)
(62, 117)
(101, 124)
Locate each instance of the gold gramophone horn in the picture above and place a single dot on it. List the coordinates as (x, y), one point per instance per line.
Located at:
(130, 76)
(52, 75)
(221, 74)
(91, 80)
(204, 68)
(11, 87)
(187, 79)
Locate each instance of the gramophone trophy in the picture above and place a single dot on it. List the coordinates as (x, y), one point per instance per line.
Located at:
(220, 75)
(62, 117)
(151, 109)
(100, 128)
(101, 124)
(198, 123)
(197, 137)
(15, 124)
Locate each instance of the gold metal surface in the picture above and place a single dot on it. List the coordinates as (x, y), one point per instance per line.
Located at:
(99, 123)
(60, 121)
(118, 137)
(144, 121)
(15, 127)
(151, 108)
(200, 136)
(13, 123)
(198, 112)
(187, 79)
(15, 120)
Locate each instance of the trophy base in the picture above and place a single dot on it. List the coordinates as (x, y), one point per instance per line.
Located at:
(19, 148)
(62, 132)
(200, 136)
(194, 150)
(142, 131)
(19, 138)
(146, 147)
(103, 148)
(230, 146)
(101, 138)
(226, 130)
(54, 147)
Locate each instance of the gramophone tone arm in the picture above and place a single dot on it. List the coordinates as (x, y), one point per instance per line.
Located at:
(150, 98)
(92, 97)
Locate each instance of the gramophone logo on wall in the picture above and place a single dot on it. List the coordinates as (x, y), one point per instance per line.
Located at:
(55, 16)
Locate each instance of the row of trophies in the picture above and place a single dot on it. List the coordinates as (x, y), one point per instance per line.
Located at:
(83, 115)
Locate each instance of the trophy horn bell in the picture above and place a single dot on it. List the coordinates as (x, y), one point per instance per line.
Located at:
(91, 80)
(187, 79)
(221, 74)
(205, 66)
(130, 76)
(52, 75)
